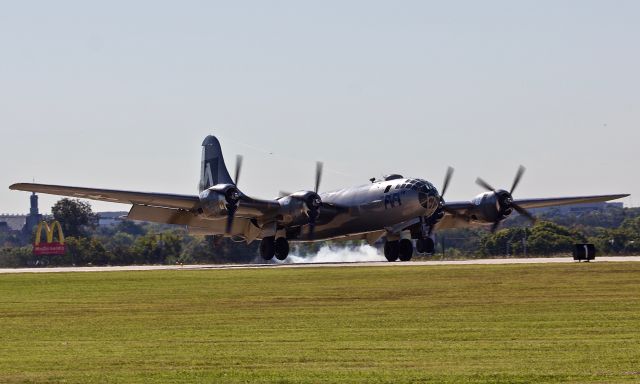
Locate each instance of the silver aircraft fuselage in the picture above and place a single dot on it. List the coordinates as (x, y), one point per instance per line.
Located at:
(375, 207)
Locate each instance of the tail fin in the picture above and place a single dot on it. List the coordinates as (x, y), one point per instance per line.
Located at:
(213, 170)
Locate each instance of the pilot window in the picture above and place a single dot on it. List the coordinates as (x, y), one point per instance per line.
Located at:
(387, 189)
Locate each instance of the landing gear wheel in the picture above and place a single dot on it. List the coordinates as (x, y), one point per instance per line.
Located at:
(425, 245)
(281, 248)
(405, 250)
(267, 248)
(391, 250)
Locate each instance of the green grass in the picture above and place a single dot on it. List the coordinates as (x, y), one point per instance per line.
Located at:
(459, 324)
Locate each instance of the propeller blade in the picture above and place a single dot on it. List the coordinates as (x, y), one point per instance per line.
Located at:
(524, 212)
(312, 227)
(238, 168)
(231, 213)
(516, 181)
(485, 185)
(494, 227)
(447, 179)
(313, 215)
(318, 175)
(230, 218)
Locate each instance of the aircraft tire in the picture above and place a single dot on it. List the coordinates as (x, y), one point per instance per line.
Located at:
(425, 245)
(267, 248)
(391, 249)
(281, 248)
(405, 250)
(420, 246)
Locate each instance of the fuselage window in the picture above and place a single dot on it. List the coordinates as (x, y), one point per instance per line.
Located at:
(387, 189)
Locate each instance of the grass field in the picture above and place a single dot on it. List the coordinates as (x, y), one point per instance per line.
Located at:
(506, 323)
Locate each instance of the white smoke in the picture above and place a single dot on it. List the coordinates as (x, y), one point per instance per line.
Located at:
(337, 254)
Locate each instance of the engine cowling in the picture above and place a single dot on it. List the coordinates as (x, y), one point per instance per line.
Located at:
(300, 208)
(491, 207)
(218, 201)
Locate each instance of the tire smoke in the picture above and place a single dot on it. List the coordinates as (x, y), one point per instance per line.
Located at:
(337, 254)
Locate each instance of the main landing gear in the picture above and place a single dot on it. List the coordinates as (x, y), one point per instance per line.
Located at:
(403, 249)
(270, 246)
(398, 249)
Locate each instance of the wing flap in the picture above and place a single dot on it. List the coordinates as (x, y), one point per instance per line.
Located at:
(114, 196)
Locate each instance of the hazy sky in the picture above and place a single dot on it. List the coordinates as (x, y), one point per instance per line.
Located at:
(120, 94)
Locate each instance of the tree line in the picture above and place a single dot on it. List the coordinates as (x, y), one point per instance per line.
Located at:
(613, 230)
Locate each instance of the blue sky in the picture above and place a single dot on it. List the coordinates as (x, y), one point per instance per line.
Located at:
(120, 94)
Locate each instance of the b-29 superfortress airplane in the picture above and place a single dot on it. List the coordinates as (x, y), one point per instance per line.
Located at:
(396, 209)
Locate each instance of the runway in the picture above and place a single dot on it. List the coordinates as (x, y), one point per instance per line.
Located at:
(541, 260)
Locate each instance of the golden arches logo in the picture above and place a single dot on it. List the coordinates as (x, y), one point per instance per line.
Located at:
(49, 231)
(49, 247)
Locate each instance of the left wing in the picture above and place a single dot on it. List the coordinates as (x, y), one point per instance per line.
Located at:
(552, 202)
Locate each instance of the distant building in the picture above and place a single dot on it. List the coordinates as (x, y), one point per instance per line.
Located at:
(13, 222)
(106, 219)
(34, 216)
(24, 223)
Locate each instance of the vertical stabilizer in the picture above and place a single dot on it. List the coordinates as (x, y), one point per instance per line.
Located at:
(212, 168)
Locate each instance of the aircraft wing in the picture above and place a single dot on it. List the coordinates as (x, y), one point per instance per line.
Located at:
(457, 211)
(153, 199)
(177, 205)
(552, 202)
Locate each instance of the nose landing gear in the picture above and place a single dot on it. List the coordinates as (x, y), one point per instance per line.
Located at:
(425, 245)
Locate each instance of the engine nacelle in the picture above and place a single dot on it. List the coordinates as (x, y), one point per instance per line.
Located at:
(300, 208)
(217, 201)
(491, 207)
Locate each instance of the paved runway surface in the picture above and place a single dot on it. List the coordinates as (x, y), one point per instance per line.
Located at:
(314, 265)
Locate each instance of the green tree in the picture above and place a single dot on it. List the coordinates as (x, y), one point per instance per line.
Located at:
(158, 248)
(549, 238)
(83, 251)
(75, 217)
(544, 238)
(128, 226)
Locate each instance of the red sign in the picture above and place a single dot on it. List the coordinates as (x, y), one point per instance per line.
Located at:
(48, 249)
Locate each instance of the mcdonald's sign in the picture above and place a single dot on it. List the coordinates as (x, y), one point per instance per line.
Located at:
(50, 247)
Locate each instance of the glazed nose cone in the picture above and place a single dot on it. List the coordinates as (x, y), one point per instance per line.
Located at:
(430, 200)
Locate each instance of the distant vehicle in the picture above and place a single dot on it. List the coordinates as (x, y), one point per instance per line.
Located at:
(396, 209)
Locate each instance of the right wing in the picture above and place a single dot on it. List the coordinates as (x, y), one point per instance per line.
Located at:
(165, 207)
(165, 200)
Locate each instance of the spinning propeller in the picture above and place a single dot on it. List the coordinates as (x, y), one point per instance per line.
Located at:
(441, 208)
(233, 196)
(505, 199)
(315, 201)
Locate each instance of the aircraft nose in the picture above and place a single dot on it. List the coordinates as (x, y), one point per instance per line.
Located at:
(429, 200)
